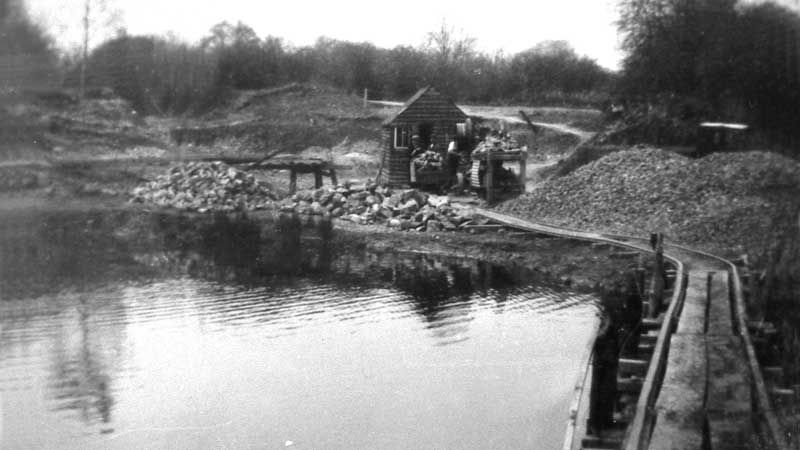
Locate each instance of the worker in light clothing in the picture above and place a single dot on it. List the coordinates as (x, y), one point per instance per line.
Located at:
(453, 163)
(417, 149)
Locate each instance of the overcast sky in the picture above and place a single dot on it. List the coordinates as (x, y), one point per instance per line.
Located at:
(505, 25)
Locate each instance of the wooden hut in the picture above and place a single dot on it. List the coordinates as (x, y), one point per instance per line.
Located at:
(720, 137)
(431, 116)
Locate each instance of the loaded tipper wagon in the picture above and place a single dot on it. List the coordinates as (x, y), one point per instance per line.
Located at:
(489, 171)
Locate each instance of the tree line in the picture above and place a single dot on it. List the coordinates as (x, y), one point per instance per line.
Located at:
(714, 59)
(700, 59)
(163, 75)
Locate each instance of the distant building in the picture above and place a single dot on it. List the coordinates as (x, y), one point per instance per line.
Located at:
(720, 137)
(429, 115)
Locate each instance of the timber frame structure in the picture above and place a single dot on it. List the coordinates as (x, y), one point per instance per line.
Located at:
(428, 114)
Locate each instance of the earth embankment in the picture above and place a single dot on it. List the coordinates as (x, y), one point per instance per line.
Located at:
(724, 202)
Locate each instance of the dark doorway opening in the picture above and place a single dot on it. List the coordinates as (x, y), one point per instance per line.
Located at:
(425, 134)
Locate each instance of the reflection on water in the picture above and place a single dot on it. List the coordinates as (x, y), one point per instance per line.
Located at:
(122, 330)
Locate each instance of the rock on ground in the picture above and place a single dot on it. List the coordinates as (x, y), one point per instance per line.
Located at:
(206, 186)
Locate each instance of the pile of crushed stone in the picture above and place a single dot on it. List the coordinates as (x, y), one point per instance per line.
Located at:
(404, 209)
(722, 202)
(206, 186)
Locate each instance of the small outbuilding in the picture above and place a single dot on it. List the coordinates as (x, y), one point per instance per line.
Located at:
(720, 137)
(431, 116)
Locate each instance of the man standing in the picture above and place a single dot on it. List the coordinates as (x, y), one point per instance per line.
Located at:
(416, 150)
(453, 162)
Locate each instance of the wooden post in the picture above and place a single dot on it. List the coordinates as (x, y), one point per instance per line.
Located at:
(292, 181)
(334, 181)
(317, 177)
(603, 391)
(365, 98)
(489, 177)
(657, 291)
(522, 161)
(640, 280)
(528, 121)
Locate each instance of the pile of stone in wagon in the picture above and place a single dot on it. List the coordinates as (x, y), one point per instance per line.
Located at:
(406, 209)
(206, 186)
(502, 143)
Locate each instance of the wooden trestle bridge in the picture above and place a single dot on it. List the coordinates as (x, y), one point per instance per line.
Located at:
(694, 382)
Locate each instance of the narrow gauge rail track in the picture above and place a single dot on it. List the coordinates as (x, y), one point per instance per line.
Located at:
(703, 386)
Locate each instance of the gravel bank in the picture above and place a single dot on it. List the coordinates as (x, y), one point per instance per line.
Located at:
(726, 202)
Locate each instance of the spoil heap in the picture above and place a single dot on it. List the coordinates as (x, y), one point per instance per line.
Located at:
(407, 209)
(725, 201)
(206, 186)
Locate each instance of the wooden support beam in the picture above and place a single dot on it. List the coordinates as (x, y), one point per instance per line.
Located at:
(645, 349)
(630, 385)
(489, 177)
(487, 227)
(317, 177)
(648, 339)
(657, 285)
(527, 120)
(636, 367)
(773, 374)
(292, 181)
(652, 323)
(623, 254)
(601, 442)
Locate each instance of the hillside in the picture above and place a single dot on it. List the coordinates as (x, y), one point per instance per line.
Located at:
(289, 118)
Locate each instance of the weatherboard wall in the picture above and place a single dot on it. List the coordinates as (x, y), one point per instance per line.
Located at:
(427, 108)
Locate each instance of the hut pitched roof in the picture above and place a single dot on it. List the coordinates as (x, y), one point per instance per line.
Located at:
(427, 105)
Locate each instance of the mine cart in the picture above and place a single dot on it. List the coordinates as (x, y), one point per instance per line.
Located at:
(434, 180)
(490, 172)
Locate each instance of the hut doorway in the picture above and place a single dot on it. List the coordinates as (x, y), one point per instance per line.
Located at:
(425, 134)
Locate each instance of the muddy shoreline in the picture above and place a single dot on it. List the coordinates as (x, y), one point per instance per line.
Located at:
(576, 264)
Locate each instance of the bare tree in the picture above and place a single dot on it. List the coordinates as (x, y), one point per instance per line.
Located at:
(451, 53)
(98, 15)
(449, 46)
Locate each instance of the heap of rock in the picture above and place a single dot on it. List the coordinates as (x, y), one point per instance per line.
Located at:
(215, 186)
(723, 201)
(497, 144)
(407, 209)
(206, 186)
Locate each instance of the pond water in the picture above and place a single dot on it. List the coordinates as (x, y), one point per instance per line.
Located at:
(129, 331)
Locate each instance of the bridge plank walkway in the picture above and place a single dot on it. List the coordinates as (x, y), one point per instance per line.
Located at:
(705, 398)
(712, 392)
(679, 409)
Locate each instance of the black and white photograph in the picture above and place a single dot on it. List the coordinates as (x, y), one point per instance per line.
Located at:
(407, 225)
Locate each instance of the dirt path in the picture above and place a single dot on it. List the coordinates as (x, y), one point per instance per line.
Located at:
(511, 114)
